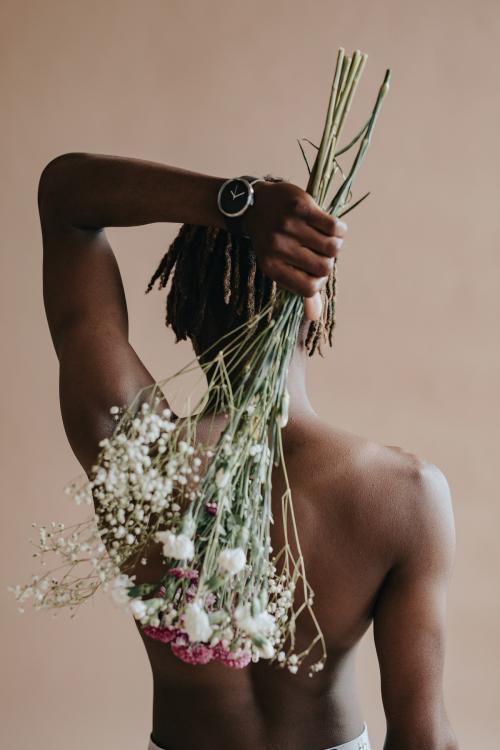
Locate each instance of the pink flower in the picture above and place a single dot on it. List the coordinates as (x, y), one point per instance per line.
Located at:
(197, 653)
(211, 508)
(192, 653)
(165, 635)
(191, 575)
(235, 659)
(191, 593)
(210, 600)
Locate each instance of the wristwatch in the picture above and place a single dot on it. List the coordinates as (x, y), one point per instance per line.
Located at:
(235, 196)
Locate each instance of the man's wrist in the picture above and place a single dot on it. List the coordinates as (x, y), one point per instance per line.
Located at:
(249, 218)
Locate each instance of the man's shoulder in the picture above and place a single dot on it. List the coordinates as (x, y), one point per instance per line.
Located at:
(384, 486)
(362, 461)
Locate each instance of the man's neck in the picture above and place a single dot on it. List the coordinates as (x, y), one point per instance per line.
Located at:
(300, 407)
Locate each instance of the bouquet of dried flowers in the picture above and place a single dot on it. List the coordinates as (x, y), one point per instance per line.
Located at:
(225, 594)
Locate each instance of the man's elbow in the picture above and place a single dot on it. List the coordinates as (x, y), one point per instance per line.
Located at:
(54, 182)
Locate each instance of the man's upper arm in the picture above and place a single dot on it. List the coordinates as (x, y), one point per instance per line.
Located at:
(410, 622)
(87, 316)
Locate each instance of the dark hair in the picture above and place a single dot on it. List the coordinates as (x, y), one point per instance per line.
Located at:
(217, 285)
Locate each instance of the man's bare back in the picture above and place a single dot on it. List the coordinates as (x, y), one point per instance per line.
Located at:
(357, 505)
(376, 523)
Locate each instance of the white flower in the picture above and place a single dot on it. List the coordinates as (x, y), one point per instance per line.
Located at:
(179, 546)
(155, 604)
(138, 608)
(266, 650)
(262, 624)
(196, 623)
(119, 587)
(188, 525)
(232, 561)
(222, 477)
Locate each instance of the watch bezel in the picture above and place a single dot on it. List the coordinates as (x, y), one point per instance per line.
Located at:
(249, 199)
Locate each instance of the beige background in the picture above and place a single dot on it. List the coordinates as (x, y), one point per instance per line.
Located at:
(226, 88)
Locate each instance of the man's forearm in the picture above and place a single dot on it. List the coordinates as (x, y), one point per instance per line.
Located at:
(92, 191)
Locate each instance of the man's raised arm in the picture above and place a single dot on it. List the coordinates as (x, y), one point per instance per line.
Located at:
(295, 241)
(92, 191)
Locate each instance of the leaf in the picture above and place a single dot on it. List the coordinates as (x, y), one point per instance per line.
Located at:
(143, 588)
(354, 205)
(311, 143)
(355, 139)
(305, 157)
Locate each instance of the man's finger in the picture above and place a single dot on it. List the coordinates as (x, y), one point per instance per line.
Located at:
(313, 307)
(309, 261)
(323, 222)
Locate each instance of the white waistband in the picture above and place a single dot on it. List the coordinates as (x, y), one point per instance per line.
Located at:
(361, 742)
(358, 743)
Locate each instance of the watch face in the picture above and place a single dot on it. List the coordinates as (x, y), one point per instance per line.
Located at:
(234, 197)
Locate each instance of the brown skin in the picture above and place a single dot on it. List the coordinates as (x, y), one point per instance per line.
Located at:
(376, 522)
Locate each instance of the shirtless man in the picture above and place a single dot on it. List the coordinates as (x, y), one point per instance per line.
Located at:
(375, 522)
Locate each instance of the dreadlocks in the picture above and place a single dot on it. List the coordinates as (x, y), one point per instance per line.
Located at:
(217, 285)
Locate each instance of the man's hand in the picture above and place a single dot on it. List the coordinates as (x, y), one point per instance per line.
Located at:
(294, 240)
